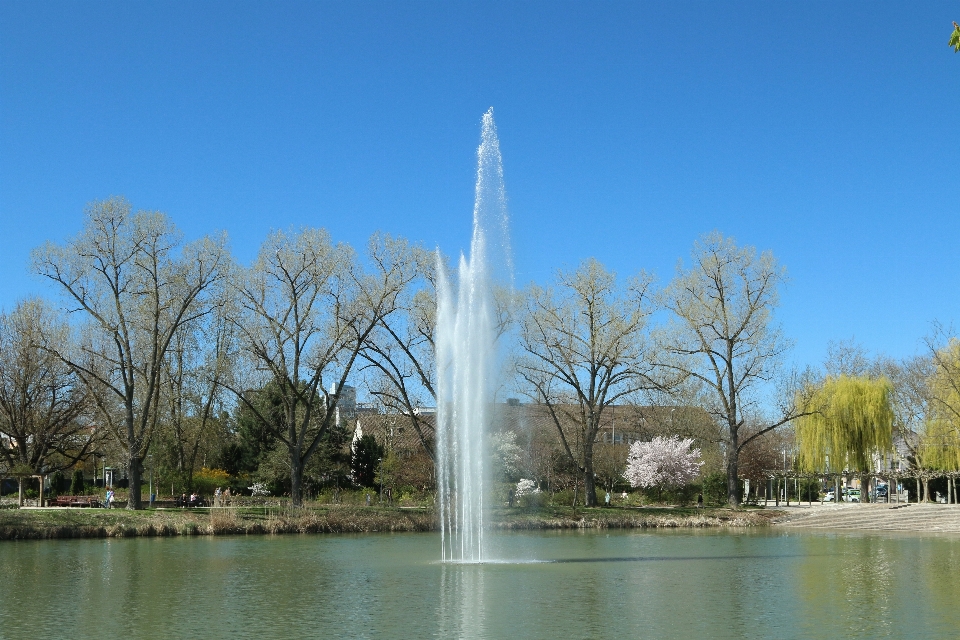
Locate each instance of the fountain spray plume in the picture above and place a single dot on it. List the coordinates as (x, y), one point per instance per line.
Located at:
(467, 361)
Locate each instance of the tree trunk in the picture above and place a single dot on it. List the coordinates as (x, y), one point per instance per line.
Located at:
(926, 490)
(865, 488)
(20, 491)
(589, 482)
(296, 479)
(136, 482)
(733, 482)
(733, 452)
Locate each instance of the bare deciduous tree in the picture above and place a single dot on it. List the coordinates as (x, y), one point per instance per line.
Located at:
(198, 363)
(724, 335)
(137, 283)
(401, 351)
(308, 310)
(584, 349)
(42, 402)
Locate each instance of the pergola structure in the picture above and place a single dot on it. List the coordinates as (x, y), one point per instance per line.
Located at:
(19, 477)
(891, 477)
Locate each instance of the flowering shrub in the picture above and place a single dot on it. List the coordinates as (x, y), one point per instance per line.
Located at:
(526, 488)
(507, 455)
(259, 489)
(662, 462)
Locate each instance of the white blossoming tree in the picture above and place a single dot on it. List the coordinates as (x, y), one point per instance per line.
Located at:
(527, 493)
(662, 463)
(526, 487)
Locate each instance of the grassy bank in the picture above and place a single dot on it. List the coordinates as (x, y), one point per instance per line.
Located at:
(33, 524)
(631, 518)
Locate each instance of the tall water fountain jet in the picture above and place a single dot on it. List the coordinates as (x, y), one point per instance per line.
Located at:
(467, 362)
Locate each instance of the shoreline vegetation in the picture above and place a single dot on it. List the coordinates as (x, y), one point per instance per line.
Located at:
(48, 524)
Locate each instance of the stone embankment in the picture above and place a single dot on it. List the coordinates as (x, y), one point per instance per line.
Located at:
(934, 518)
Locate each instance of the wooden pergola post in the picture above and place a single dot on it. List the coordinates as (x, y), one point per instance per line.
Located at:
(20, 477)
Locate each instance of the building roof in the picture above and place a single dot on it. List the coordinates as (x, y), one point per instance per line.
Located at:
(618, 423)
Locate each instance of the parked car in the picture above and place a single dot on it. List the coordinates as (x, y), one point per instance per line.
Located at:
(851, 495)
(830, 496)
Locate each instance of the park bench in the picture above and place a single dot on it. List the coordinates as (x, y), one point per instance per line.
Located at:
(74, 501)
(199, 502)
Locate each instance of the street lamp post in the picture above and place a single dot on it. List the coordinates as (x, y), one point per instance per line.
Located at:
(786, 489)
(150, 458)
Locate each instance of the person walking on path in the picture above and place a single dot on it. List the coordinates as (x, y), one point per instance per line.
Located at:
(700, 501)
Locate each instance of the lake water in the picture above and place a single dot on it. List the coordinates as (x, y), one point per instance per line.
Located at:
(680, 584)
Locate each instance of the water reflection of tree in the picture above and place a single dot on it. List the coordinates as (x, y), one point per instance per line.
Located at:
(941, 559)
(848, 580)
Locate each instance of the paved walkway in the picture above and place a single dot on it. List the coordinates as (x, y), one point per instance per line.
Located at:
(880, 517)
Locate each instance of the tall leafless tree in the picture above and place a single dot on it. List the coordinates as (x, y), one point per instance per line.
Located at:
(308, 308)
(198, 363)
(584, 349)
(44, 409)
(137, 283)
(401, 350)
(724, 335)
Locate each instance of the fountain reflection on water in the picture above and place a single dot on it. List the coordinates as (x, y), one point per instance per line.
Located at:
(467, 362)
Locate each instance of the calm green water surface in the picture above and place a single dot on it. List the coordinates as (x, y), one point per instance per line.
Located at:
(585, 585)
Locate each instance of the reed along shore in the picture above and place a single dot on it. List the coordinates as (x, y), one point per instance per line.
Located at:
(52, 523)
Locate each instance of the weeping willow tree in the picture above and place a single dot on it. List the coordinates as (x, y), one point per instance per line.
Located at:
(940, 441)
(850, 421)
(939, 451)
(939, 446)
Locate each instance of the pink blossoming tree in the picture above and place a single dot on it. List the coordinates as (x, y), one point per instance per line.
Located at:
(662, 463)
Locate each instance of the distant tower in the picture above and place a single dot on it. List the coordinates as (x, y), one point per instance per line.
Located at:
(357, 434)
(347, 406)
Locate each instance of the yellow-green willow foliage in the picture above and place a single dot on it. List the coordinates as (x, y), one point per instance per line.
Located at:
(851, 420)
(939, 446)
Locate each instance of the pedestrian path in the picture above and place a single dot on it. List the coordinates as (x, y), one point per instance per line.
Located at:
(879, 517)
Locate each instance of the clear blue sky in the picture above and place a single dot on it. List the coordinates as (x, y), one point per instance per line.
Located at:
(826, 132)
